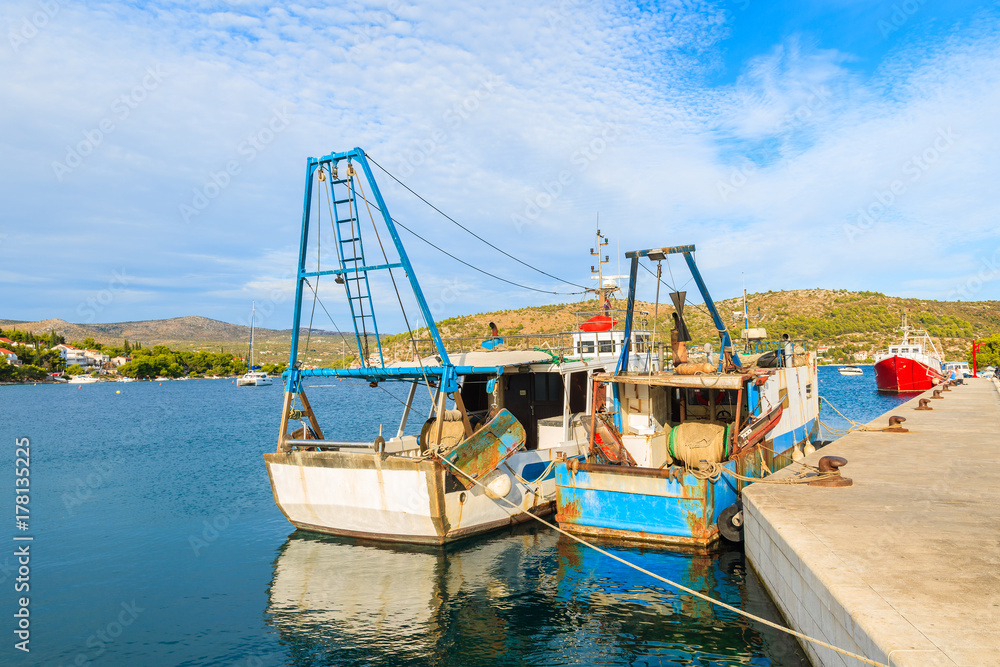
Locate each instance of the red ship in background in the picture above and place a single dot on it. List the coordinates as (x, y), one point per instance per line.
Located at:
(910, 366)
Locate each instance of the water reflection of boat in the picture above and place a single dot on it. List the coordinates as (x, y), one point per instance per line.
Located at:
(362, 601)
(652, 619)
(523, 596)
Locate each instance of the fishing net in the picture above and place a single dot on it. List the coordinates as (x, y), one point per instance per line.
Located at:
(693, 442)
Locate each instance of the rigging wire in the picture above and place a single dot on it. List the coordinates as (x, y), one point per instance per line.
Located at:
(406, 320)
(487, 273)
(320, 302)
(456, 222)
(319, 248)
(700, 306)
(473, 267)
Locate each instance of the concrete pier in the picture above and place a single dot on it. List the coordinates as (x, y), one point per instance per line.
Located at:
(904, 566)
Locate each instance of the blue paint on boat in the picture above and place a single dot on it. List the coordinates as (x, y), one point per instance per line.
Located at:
(666, 502)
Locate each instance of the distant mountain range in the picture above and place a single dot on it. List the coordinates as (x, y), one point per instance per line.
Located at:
(846, 321)
(152, 332)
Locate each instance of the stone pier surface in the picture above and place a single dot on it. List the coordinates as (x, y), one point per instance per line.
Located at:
(903, 567)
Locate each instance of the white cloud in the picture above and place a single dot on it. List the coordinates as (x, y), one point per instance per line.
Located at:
(481, 108)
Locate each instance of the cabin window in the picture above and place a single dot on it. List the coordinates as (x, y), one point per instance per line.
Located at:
(548, 387)
(607, 346)
(474, 393)
(586, 347)
(642, 343)
(578, 392)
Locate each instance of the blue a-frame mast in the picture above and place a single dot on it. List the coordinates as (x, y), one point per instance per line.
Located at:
(657, 254)
(353, 272)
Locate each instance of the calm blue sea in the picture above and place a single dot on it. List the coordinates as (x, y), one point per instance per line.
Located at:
(157, 542)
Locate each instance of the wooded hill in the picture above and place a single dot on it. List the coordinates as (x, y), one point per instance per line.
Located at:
(848, 322)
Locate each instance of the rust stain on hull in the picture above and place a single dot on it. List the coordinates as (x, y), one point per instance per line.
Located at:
(616, 535)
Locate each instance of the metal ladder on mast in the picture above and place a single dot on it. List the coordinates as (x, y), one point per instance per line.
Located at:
(351, 255)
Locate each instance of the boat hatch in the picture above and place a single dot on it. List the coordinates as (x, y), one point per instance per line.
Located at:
(482, 452)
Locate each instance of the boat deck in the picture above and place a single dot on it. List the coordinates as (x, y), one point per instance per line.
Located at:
(904, 566)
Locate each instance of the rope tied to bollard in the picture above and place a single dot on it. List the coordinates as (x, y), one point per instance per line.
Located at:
(855, 426)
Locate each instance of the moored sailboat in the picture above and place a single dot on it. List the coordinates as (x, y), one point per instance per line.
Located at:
(254, 377)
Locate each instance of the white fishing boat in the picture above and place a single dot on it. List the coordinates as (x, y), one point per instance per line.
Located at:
(851, 370)
(501, 417)
(82, 379)
(254, 377)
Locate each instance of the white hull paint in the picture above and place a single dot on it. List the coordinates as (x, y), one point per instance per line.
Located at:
(400, 498)
(254, 380)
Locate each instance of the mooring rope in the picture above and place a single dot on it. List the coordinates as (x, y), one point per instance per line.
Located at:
(855, 426)
(674, 584)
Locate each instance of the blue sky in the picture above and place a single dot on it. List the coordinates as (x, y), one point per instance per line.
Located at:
(831, 144)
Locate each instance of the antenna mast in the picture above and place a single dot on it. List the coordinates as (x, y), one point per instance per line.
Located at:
(602, 290)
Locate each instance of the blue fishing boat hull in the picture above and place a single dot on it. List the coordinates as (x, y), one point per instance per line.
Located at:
(655, 505)
(640, 504)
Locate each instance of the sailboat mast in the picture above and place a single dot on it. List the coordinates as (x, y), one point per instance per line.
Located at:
(746, 316)
(253, 316)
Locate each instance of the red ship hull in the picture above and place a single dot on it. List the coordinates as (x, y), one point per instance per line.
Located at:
(900, 374)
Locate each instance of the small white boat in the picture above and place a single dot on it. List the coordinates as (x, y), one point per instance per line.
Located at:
(254, 377)
(850, 370)
(82, 379)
